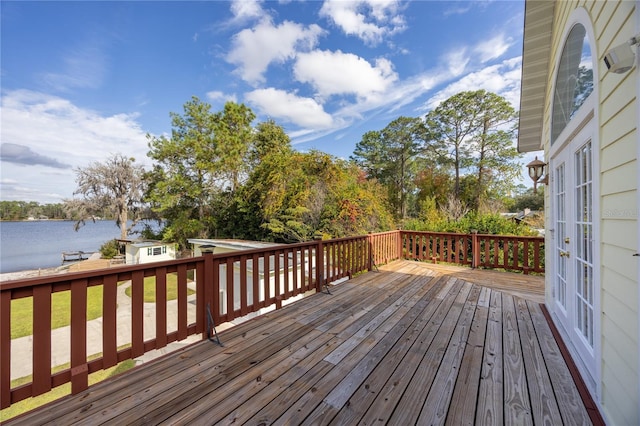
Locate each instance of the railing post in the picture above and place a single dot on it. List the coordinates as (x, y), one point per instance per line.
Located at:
(475, 249)
(369, 245)
(208, 287)
(319, 264)
(399, 237)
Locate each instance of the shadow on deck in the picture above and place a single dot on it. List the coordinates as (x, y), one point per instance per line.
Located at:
(412, 343)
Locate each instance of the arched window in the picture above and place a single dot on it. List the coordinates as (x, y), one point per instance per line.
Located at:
(574, 79)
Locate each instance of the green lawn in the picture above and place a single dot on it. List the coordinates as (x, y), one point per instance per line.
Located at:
(150, 288)
(22, 325)
(56, 393)
(22, 311)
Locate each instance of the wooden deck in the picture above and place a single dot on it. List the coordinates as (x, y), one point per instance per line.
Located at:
(411, 344)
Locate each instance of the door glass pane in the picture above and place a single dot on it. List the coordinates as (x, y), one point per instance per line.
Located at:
(583, 259)
(561, 227)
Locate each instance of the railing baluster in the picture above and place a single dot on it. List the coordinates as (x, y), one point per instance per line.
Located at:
(285, 272)
(41, 339)
(296, 269)
(505, 251)
(266, 281)
(137, 314)
(525, 257)
(311, 265)
(304, 284)
(487, 252)
(335, 261)
(5, 349)
(182, 302)
(230, 289)
(244, 293)
(109, 321)
(276, 278)
(79, 368)
(255, 266)
(161, 307)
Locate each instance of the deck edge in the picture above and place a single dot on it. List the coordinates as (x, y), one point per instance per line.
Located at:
(587, 399)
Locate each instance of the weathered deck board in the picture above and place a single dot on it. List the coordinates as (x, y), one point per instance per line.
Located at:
(412, 343)
(465, 394)
(517, 409)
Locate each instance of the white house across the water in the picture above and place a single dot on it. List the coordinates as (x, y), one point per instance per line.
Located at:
(137, 252)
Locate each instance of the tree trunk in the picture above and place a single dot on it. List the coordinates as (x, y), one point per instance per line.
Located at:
(124, 219)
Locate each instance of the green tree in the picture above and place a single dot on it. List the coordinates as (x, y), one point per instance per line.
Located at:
(269, 139)
(389, 156)
(298, 196)
(182, 182)
(270, 160)
(495, 156)
(199, 168)
(529, 200)
(449, 128)
(473, 133)
(233, 136)
(434, 183)
(116, 185)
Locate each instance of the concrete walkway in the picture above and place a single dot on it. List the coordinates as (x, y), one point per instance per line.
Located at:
(22, 348)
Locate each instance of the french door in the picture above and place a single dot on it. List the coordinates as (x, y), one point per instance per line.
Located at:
(574, 241)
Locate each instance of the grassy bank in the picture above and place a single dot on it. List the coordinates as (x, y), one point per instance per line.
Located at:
(22, 309)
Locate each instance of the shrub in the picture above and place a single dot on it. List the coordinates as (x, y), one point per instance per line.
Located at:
(491, 223)
(110, 249)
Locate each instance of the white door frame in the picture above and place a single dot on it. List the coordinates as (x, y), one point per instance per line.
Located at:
(582, 130)
(587, 115)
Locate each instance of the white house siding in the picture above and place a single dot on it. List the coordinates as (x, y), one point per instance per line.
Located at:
(614, 22)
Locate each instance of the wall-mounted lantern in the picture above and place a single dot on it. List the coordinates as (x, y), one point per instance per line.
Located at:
(536, 171)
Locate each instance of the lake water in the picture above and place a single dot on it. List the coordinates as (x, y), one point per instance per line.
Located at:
(39, 244)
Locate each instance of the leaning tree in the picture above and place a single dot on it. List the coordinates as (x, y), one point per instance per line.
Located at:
(115, 186)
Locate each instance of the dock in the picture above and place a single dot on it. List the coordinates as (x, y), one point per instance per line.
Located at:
(74, 256)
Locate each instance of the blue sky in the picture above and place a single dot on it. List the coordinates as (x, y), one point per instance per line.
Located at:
(83, 80)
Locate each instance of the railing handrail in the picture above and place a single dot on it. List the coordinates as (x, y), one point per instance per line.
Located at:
(233, 284)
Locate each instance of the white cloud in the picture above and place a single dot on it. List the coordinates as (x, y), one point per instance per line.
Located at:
(332, 73)
(456, 61)
(503, 79)
(493, 48)
(369, 20)
(56, 129)
(304, 112)
(254, 49)
(84, 68)
(456, 9)
(246, 9)
(217, 96)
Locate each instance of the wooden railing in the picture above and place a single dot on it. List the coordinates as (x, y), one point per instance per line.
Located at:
(512, 253)
(227, 285)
